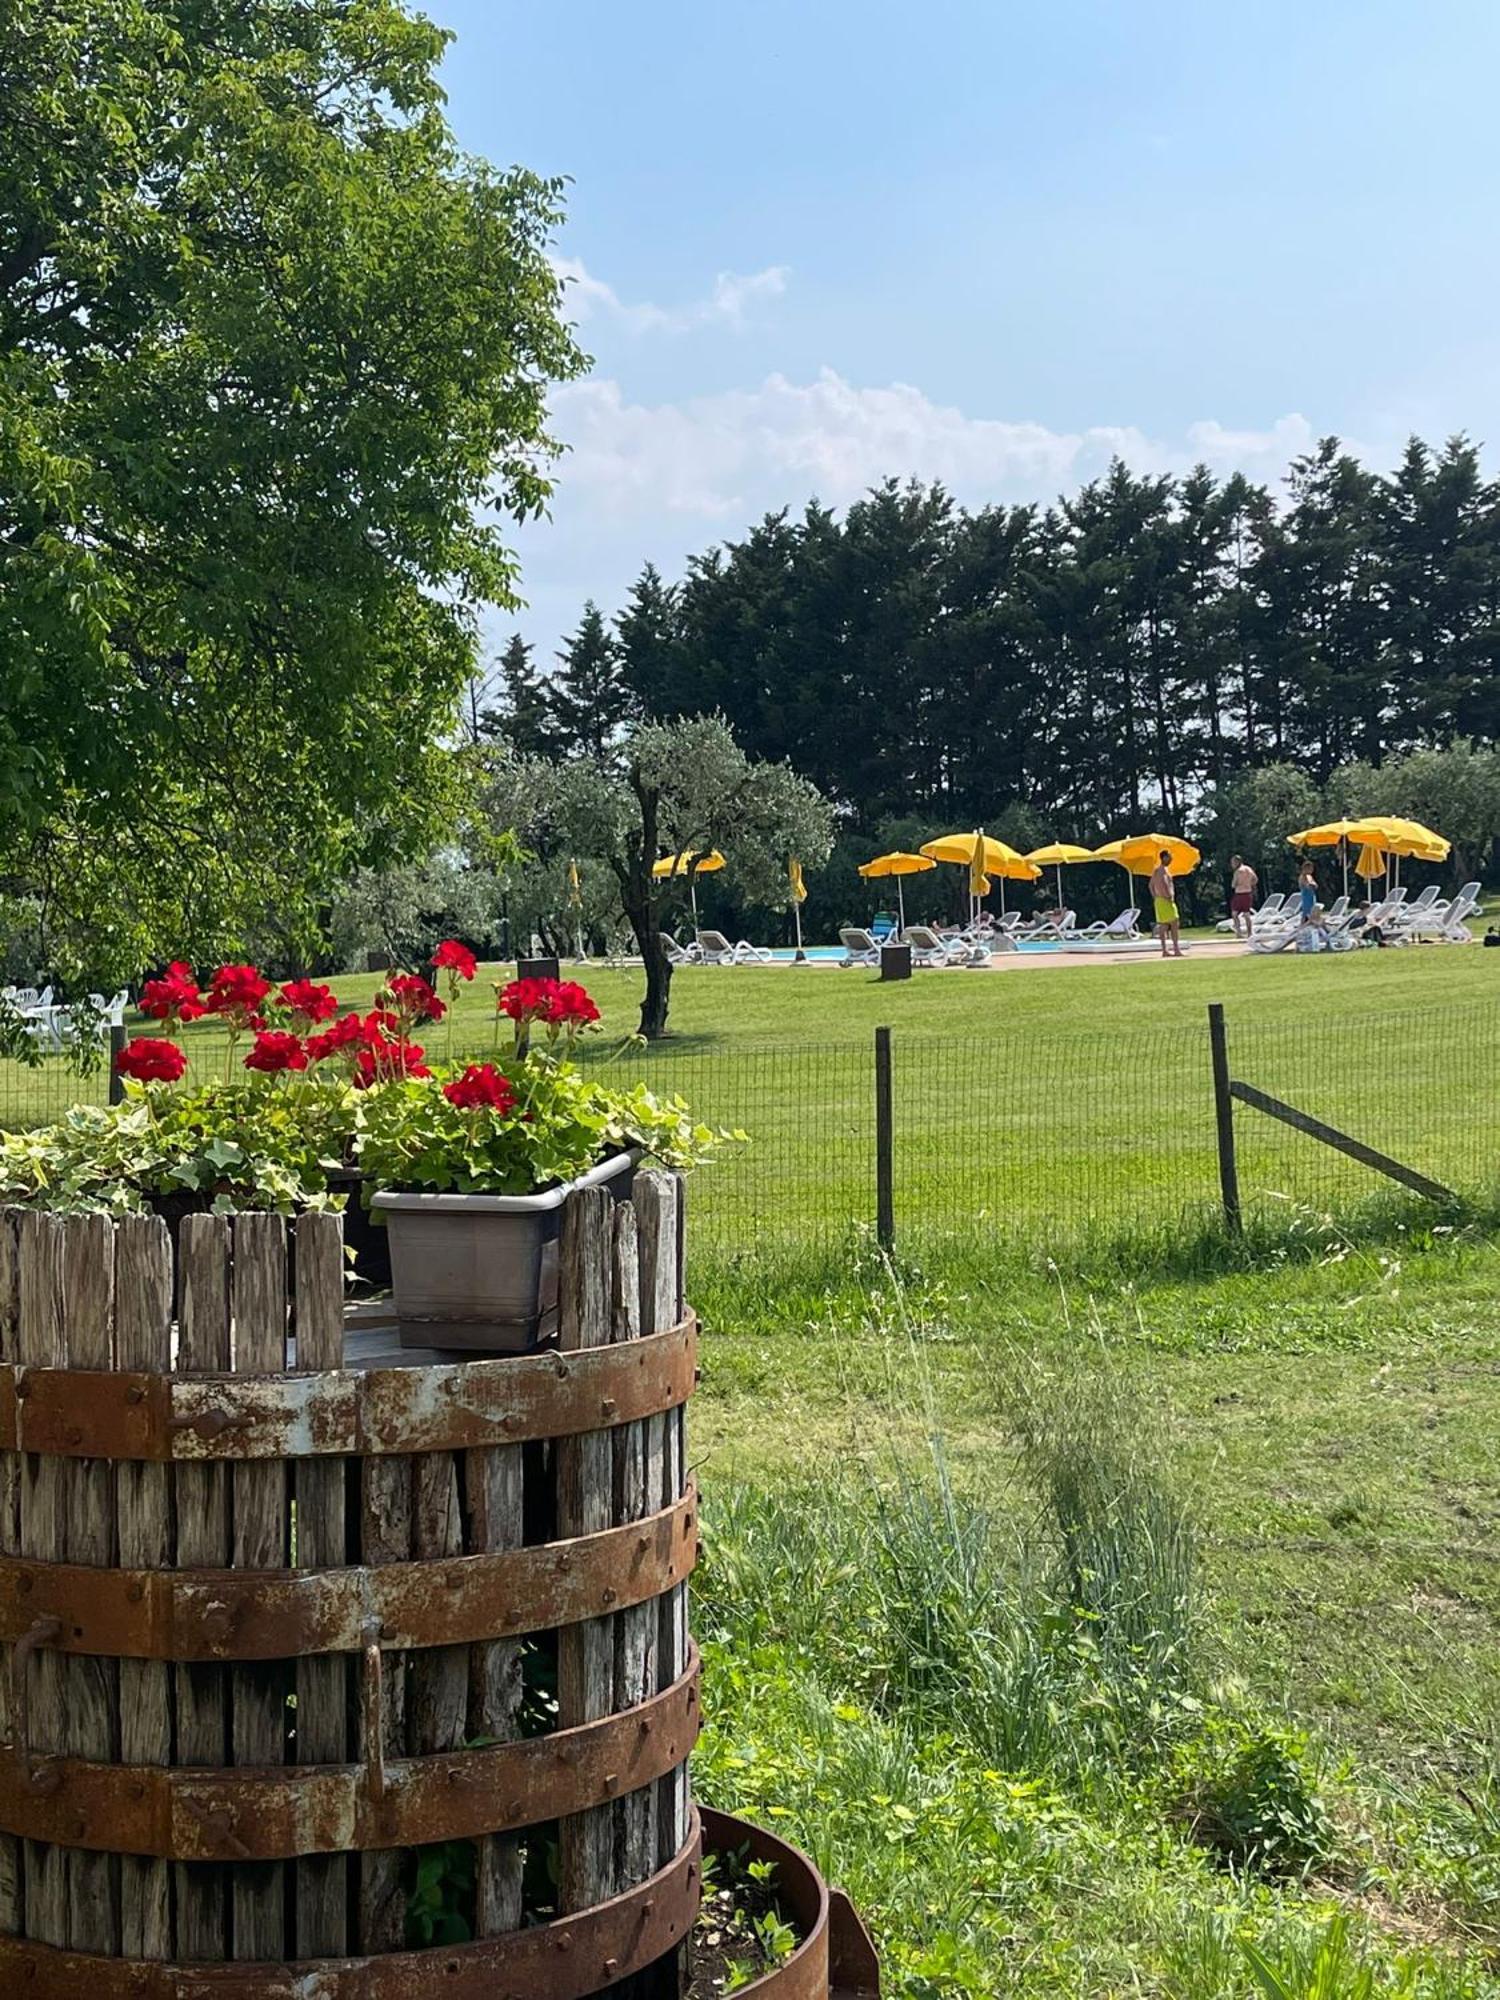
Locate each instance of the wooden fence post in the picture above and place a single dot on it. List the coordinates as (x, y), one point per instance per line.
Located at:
(885, 1190)
(1229, 1177)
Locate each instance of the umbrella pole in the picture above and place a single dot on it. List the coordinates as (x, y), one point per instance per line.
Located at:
(1344, 852)
(1059, 885)
(801, 958)
(693, 892)
(900, 909)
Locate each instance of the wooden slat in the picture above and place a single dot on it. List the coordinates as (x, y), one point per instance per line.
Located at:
(12, 1888)
(493, 1484)
(635, 1628)
(1328, 1135)
(143, 1513)
(659, 1238)
(39, 1340)
(322, 1721)
(258, 1693)
(385, 1537)
(585, 1483)
(90, 1686)
(437, 1677)
(202, 1516)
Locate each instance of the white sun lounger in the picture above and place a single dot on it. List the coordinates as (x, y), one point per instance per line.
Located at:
(717, 950)
(860, 948)
(928, 948)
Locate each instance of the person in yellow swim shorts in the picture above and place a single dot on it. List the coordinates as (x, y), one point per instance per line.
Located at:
(1164, 896)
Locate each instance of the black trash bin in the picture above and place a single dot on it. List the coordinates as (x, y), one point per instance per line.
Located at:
(895, 961)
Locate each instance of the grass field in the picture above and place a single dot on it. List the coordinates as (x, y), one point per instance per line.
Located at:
(1203, 1658)
(1056, 1106)
(1102, 1619)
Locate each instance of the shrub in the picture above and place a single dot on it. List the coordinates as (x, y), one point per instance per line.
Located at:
(1249, 1792)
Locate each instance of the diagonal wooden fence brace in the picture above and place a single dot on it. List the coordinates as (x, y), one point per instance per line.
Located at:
(1327, 1135)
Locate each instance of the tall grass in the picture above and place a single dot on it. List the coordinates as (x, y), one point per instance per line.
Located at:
(1052, 1629)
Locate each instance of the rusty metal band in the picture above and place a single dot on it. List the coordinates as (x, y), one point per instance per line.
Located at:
(567, 1959)
(835, 1960)
(244, 1614)
(278, 1814)
(82, 1413)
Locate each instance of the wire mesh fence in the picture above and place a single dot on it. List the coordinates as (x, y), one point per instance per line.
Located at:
(1038, 1141)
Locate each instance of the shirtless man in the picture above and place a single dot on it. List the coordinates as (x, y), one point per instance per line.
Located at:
(1243, 883)
(1164, 896)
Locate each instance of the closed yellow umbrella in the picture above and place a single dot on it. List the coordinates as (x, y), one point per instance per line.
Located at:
(897, 864)
(692, 864)
(982, 854)
(1370, 864)
(1057, 856)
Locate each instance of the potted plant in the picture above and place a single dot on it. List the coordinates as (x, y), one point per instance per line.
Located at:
(471, 1171)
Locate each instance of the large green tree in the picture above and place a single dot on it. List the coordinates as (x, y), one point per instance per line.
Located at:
(274, 358)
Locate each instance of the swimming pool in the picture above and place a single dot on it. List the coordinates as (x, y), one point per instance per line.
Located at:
(786, 956)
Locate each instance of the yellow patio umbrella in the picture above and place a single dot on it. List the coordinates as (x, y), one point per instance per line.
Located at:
(799, 897)
(982, 855)
(1057, 856)
(1335, 833)
(897, 864)
(1138, 854)
(692, 864)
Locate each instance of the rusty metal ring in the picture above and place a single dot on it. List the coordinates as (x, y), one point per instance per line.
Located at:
(344, 1412)
(835, 1960)
(283, 1812)
(236, 1615)
(569, 1958)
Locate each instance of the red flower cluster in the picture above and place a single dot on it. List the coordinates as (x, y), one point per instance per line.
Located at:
(481, 1087)
(146, 1060)
(275, 1050)
(383, 1060)
(412, 998)
(558, 1003)
(346, 1033)
(174, 997)
(456, 958)
(237, 991)
(308, 1001)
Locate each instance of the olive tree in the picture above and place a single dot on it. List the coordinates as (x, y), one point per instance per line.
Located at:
(675, 788)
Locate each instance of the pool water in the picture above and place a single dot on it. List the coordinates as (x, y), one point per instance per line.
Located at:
(813, 951)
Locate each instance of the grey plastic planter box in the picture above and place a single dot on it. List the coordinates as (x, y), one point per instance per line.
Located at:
(479, 1271)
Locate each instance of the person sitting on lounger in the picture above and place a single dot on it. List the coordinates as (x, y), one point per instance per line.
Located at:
(1314, 934)
(1164, 897)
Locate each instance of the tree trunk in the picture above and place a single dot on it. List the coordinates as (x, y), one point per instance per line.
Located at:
(658, 968)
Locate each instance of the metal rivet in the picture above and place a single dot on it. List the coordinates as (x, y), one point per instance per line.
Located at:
(611, 1783)
(610, 1596)
(608, 1404)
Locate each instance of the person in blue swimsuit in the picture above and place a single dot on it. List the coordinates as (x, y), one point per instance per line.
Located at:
(1307, 891)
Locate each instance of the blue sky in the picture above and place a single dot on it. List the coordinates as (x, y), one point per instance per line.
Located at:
(814, 242)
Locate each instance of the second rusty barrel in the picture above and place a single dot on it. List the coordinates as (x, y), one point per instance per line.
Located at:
(330, 1668)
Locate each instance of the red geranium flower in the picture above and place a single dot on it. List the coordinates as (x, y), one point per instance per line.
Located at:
(481, 1085)
(413, 998)
(275, 1050)
(573, 1005)
(174, 997)
(559, 1003)
(388, 1059)
(451, 956)
(344, 1034)
(149, 1061)
(309, 1001)
(237, 990)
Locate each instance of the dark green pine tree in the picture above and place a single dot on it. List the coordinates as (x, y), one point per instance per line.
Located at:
(649, 633)
(521, 716)
(590, 700)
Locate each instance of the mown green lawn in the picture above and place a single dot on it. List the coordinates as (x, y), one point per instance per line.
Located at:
(1054, 1105)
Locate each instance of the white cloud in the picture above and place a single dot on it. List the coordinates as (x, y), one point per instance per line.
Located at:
(588, 297)
(724, 458)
